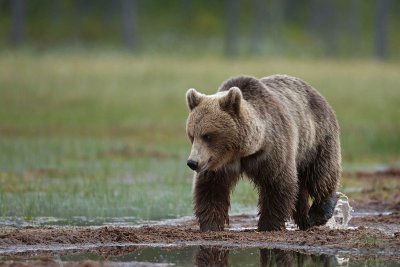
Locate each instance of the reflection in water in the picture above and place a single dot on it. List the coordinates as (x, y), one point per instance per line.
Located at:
(198, 256)
(276, 257)
(219, 256)
(212, 256)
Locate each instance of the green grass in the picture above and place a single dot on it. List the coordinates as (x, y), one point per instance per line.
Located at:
(95, 178)
(98, 178)
(103, 134)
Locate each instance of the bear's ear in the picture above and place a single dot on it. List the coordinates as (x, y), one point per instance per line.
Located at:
(232, 100)
(193, 98)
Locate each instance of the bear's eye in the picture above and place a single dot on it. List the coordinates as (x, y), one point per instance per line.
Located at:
(206, 138)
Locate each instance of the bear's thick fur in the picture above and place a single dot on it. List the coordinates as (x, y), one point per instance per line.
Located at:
(280, 133)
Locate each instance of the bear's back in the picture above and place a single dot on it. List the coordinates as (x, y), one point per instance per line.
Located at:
(310, 114)
(296, 95)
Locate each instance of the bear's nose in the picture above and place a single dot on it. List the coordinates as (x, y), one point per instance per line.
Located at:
(192, 164)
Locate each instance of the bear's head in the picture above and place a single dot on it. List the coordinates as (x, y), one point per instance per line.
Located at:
(213, 128)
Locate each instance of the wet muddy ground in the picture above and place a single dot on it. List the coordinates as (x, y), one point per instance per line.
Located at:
(373, 233)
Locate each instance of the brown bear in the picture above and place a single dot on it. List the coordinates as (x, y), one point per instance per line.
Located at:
(280, 133)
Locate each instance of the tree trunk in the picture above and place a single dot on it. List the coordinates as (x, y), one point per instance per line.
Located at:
(232, 27)
(17, 22)
(276, 19)
(381, 36)
(354, 30)
(324, 24)
(186, 8)
(258, 19)
(129, 23)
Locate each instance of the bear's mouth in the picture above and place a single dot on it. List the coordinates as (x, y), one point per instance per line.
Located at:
(205, 167)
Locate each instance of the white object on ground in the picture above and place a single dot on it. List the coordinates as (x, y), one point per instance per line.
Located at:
(342, 214)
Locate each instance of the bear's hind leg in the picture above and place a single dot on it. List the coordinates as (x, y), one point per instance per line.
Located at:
(322, 179)
(300, 215)
(322, 211)
(212, 200)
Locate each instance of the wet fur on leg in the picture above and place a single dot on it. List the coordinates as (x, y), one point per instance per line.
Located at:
(276, 205)
(270, 219)
(300, 215)
(212, 199)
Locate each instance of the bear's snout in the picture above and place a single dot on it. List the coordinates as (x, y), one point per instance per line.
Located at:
(193, 164)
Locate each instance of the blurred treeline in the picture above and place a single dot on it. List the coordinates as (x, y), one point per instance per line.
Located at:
(333, 28)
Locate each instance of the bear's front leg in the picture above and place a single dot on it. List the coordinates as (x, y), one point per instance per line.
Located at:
(212, 200)
(277, 202)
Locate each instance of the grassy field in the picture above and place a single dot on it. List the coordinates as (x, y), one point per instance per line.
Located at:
(101, 135)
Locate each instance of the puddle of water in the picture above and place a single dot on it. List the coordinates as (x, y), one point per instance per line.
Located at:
(73, 221)
(342, 215)
(85, 221)
(371, 213)
(211, 256)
